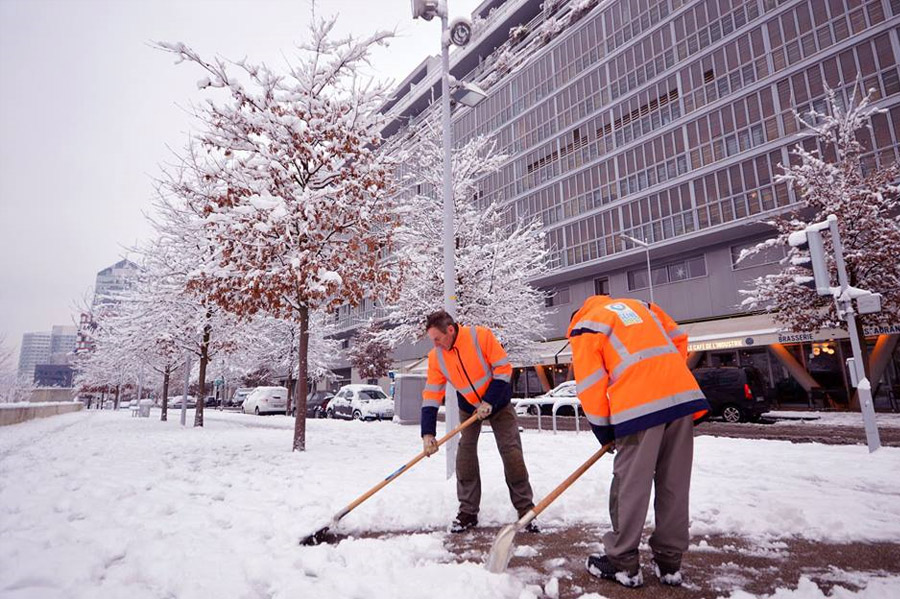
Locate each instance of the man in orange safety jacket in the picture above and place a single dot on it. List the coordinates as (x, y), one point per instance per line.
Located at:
(636, 390)
(473, 361)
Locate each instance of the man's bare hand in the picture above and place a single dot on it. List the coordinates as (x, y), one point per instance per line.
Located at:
(429, 445)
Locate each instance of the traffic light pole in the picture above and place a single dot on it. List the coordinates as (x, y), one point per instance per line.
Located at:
(848, 313)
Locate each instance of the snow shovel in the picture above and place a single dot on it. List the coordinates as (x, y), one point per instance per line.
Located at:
(322, 536)
(502, 549)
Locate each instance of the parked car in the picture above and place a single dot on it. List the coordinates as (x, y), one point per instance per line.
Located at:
(736, 394)
(316, 403)
(360, 402)
(210, 401)
(175, 402)
(266, 400)
(238, 397)
(530, 405)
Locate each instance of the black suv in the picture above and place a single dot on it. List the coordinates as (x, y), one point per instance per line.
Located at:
(735, 394)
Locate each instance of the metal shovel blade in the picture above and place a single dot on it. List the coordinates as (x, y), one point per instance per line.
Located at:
(501, 550)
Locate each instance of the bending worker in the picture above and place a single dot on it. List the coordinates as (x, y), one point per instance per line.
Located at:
(474, 362)
(636, 389)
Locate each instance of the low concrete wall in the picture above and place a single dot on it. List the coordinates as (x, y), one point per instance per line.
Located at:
(52, 394)
(21, 413)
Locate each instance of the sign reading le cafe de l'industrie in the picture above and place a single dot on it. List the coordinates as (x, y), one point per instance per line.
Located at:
(753, 332)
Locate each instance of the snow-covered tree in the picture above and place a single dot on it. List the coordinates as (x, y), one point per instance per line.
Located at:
(185, 309)
(152, 324)
(868, 211)
(369, 353)
(829, 176)
(273, 346)
(297, 201)
(494, 258)
(111, 365)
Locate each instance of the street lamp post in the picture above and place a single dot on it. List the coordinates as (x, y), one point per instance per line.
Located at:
(646, 247)
(449, 208)
(458, 33)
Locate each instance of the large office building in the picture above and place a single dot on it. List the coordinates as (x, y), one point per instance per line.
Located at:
(666, 121)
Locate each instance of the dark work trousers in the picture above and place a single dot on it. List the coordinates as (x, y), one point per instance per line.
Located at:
(468, 477)
(660, 456)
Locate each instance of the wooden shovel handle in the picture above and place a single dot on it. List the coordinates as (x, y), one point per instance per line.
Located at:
(403, 469)
(546, 501)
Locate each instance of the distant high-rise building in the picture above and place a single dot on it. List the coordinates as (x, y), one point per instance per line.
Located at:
(113, 281)
(35, 350)
(62, 339)
(52, 347)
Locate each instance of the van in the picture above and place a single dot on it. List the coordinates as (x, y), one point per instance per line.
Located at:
(736, 394)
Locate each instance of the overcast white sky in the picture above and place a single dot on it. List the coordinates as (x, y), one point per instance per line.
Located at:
(87, 110)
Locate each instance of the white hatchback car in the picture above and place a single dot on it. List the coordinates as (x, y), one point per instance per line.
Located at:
(360, 402)
(266, 400)
(544, 403)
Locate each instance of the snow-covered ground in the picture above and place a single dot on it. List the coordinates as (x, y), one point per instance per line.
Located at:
(101, 505)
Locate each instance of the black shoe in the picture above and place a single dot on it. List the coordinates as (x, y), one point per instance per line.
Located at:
(600, 566)
(667, 574)
(463, 522)
(532, 526)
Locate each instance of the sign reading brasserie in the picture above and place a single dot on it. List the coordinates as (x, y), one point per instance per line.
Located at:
(805, 336)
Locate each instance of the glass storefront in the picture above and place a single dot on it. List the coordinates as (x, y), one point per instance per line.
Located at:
(824, 361)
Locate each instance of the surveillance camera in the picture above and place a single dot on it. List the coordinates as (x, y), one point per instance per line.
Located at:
(425, 9)
(460, 31)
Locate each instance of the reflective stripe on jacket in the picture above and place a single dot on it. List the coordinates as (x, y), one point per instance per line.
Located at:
(630, 366)
(476, 353)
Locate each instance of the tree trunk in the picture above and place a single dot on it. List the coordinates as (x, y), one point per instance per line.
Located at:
(165, 394)
(290, 382)
(204, 360)
(290, 379)
(302, 377)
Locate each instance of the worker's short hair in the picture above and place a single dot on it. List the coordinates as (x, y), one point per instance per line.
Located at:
(439, 319)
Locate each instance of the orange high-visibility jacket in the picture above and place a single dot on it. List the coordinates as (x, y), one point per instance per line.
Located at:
(475, 359)
(630, 367)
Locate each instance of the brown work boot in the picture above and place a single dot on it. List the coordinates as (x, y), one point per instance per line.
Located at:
(463, 522)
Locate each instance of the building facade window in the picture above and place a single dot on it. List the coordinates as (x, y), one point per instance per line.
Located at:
(601, 286)
(559, 297)
(672, 272)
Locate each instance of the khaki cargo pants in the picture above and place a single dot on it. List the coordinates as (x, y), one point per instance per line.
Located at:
(468, 476)
(659, 457)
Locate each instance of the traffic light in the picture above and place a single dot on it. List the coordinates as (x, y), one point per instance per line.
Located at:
(810, 240)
